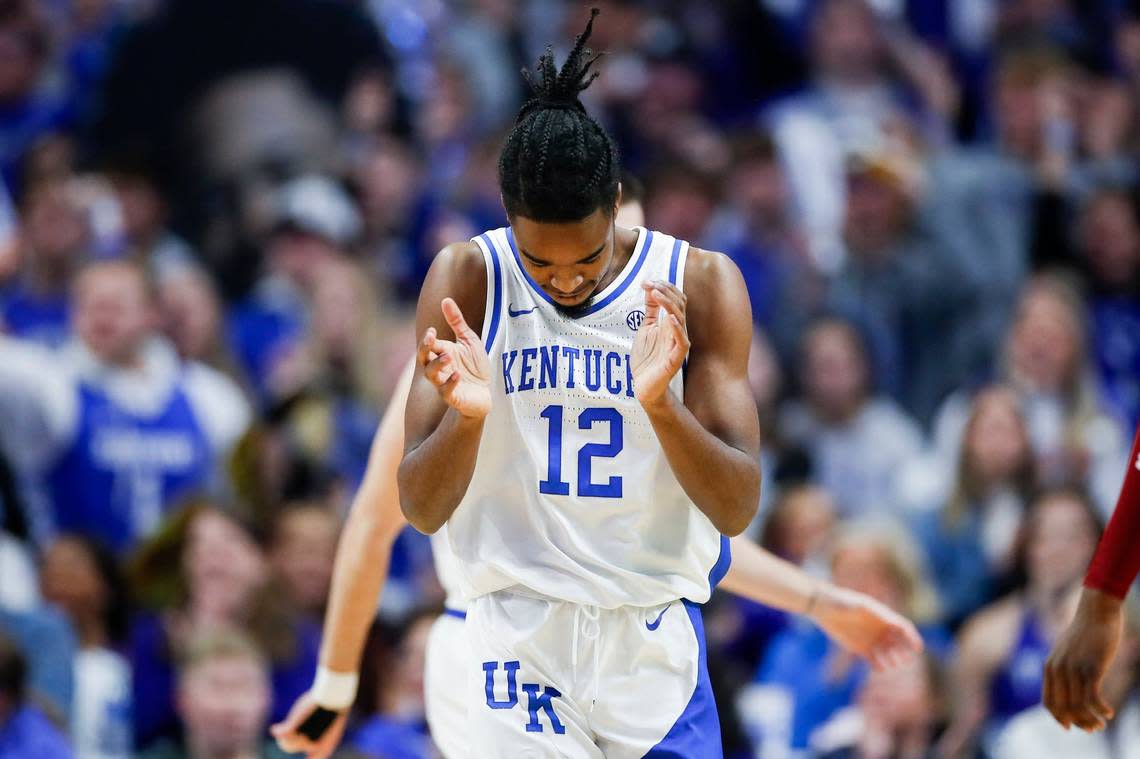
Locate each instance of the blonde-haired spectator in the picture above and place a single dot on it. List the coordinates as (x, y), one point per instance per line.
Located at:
(804, 679)
(1045, 362)
(223, 698)
(1002, 649)
(968, 540)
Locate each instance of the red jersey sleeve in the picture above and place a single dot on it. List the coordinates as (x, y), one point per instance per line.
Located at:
(1117, 558)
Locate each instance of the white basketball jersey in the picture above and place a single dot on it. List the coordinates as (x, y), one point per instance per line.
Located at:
(572, 497)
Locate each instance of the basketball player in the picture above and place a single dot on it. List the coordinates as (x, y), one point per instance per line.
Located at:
(1076, 668)
(855, 621)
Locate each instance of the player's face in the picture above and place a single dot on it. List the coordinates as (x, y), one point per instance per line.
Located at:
(569, 260)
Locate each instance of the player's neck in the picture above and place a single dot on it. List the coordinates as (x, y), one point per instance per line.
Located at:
(625, 240)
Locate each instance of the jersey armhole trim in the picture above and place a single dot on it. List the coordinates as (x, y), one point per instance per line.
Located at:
(494, 291)
(677, 263)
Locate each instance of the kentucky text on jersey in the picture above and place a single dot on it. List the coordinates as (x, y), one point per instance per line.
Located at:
(551, 367)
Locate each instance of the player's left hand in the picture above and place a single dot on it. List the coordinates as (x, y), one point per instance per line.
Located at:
(1076, 668)
(289, 738)
(866, 627)
(661, 344)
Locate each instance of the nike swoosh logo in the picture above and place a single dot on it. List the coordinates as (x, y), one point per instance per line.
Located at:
(513, 312)
(651, 626)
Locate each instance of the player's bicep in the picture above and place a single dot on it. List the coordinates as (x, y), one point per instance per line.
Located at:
(717, 391)
(458, 272)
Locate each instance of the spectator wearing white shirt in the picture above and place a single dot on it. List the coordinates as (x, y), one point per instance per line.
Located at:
(858, 442)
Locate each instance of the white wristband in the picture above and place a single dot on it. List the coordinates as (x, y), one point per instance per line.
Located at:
(334, 690)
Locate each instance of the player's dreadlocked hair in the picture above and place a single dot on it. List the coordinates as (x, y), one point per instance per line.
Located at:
(558, 164)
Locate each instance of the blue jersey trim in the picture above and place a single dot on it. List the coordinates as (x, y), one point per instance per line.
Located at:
(720, 568)
(497, 300)
(594, 308)
(454, 613)
(696, 733)
(674, 259)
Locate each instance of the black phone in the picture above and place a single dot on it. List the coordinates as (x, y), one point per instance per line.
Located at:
(317, 723)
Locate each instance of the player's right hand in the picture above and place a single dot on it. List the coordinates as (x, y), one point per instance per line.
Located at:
(1076, 668)
(459, 369)
(291, 741)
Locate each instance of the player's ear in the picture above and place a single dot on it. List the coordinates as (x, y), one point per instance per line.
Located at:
(617, 201)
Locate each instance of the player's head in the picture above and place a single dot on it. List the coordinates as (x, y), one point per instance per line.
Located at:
(113, 310)
(559, 180)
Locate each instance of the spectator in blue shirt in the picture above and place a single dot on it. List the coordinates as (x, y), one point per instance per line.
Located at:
(1109, 232)
(205, 570)
(29, 109)
(808, 675)
(25, 731)
(391, 694)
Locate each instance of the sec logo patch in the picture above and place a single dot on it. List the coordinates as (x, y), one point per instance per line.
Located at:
(634, 319)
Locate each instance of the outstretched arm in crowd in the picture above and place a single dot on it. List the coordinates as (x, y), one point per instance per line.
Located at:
(38, 403)
(855, 621)
(358, 577)
(1077, 666)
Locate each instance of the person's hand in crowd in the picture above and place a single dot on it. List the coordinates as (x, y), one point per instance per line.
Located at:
(1059, 135)
(866, 627)
(10, 258)
(289, 738)
(1079, 662)
(927, 71)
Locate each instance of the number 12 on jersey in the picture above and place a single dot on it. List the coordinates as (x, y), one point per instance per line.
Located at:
(554, 484)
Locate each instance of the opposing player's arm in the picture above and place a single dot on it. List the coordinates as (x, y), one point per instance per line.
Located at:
(361, 565)
(450, 392)
(712, 436)
(1081, 657)
(853, 620)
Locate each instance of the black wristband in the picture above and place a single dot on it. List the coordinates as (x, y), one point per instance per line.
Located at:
(317, 723)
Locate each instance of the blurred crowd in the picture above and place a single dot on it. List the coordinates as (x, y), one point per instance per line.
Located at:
(214, 220)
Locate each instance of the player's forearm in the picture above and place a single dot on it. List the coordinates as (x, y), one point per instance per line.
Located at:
(758, 575)
(723, 482)
(359, 571)
(435, 474)
(1117, 559)
(365, 546)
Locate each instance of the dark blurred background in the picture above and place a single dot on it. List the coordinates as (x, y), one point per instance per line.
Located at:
(215, 216)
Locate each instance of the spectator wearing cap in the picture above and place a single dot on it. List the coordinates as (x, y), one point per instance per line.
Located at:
(25, 731)
(113, 427)
(854, 97)
(315, 223)
(894, 281)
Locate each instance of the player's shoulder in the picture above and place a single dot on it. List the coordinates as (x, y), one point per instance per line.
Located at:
(461, 258)
(458, 272)
(710, 270)
(715, 288)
